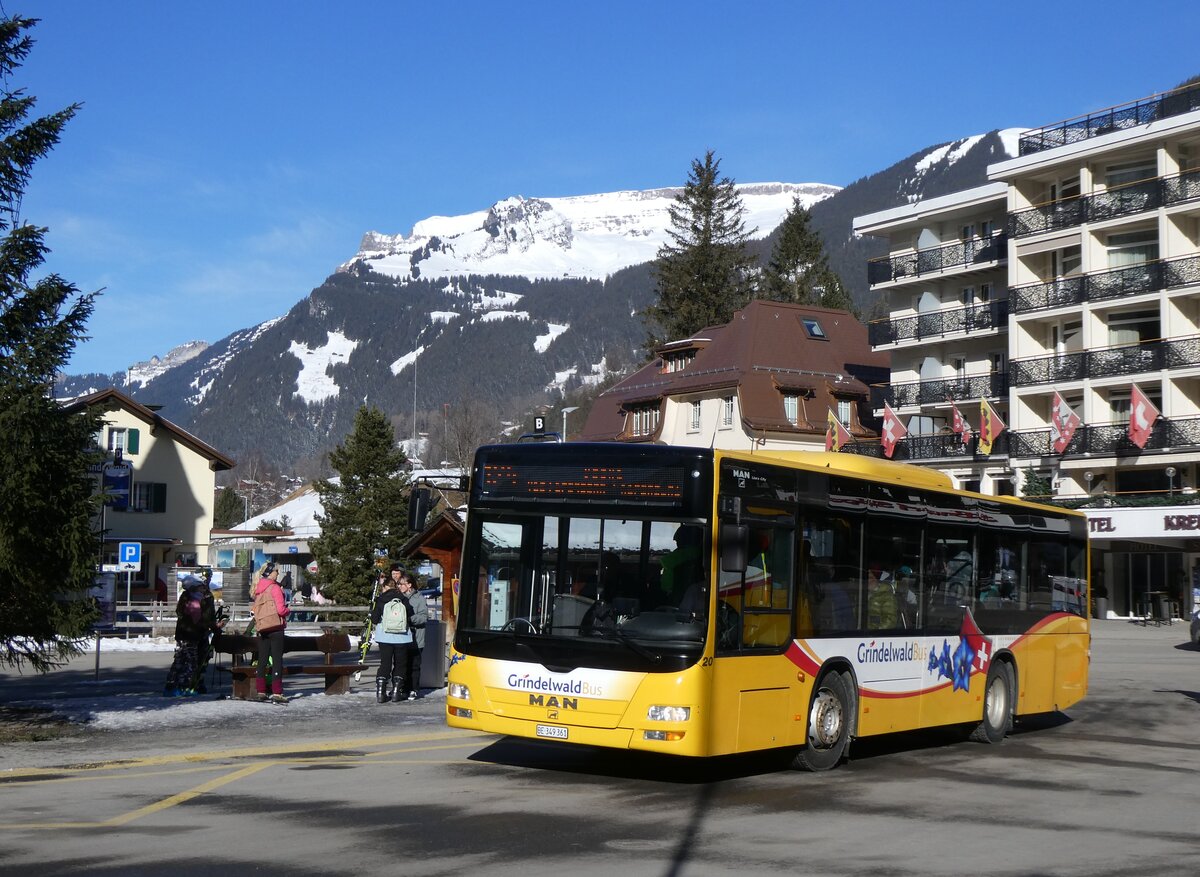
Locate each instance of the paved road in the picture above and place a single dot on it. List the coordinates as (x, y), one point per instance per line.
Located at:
(361, 788)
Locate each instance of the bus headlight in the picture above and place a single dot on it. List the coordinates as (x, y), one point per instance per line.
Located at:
(669, 713)
(459, 691)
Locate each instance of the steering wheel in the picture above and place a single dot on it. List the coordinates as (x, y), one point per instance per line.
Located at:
(511, 624)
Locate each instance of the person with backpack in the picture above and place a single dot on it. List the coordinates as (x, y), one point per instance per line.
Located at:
(270, 621)
(391, 619)
(196, 619)
(420, 615)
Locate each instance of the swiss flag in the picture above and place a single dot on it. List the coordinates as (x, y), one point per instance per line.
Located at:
(1142, 415)
(893, 430)
(958, 424)
(1064, 422)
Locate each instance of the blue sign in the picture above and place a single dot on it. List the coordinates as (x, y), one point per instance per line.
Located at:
(129, 552)
(293, 549)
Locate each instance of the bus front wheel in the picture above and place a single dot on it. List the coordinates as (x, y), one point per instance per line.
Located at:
(997, 704)
(829, 722)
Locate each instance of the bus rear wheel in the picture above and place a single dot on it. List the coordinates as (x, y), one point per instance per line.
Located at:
(997, 705)
(829, 722)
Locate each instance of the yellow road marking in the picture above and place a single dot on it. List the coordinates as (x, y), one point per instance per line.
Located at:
(251, 752)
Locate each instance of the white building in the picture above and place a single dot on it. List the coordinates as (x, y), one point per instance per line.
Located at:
(1075, 271)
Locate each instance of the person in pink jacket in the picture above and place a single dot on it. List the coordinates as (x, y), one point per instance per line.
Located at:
(270, 620)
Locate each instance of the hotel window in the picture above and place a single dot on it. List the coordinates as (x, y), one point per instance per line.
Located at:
(843, 412)
(1063, 189)
(986, 228)
(967, 296)
(727, 411)
(1132, 248)
(1118, 401)
(1134, 327)
(985, 292)
(959, 364)
(1129, 172)
(694, 419)
(124, 441)
(1065, 262)
(968, 231)
(791, 408)
(997, 363)
(148, 497)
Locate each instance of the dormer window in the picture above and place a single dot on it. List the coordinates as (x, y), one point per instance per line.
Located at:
(675, 362)
(643, 420)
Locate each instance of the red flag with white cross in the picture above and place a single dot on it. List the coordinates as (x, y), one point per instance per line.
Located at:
(893, 430)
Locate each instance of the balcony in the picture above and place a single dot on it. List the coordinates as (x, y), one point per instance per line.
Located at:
(992, 248)
(936, 324)
(1131, 115)
(1105, 285)
(1109, 439)
(1110, 204)
(989, 386)
(1128, 359)
(945, 446)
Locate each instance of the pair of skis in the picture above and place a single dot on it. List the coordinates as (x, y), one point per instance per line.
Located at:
(365, 645)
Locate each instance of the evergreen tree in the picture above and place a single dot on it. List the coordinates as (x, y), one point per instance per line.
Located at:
(704, 272)
(48, 542)
(365, 510)
(229, 509)
(798, 270)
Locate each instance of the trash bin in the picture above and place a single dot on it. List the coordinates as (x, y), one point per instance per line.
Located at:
(1101, 606)
(1163, 613)
(433, 656)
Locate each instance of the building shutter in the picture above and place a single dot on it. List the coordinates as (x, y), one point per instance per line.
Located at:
(131, 441)
(159, 501)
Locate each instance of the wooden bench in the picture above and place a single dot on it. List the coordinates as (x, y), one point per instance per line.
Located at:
(244, 651)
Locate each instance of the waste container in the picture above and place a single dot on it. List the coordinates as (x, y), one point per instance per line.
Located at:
(1101, 605)
(433, 656)
(1163, 613)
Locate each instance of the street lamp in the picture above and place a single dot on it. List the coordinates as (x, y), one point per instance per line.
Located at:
(565, 412)
(1171, 482)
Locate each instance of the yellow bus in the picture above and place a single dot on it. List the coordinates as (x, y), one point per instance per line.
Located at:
(703, 602)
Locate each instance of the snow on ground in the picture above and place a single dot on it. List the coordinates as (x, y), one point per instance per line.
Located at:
(314, 383)
(542, 343)
(493, 316)
(1011, 138)
(406, 360)
(443, 316)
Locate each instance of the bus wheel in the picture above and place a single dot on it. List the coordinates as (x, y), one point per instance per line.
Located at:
(829, 722)
(997, 705)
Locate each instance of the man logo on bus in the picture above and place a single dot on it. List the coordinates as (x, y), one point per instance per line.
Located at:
(972, 655)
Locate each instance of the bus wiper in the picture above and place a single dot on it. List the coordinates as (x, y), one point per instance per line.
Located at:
(653, 657)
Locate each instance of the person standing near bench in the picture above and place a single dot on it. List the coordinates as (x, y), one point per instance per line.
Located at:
(270, 620)
(420, 614)
(391, 630)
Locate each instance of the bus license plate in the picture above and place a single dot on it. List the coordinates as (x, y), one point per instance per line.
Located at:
(551, 731)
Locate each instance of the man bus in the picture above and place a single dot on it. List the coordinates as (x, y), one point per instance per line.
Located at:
(705, 602)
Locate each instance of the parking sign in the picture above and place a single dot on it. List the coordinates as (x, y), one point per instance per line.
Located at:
(129, 552)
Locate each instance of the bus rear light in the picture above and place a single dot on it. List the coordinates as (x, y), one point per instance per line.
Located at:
(669, 713)
(665, 736)
(458, 691)
(460, 712)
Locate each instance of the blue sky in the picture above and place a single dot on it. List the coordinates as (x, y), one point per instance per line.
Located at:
(229, 156)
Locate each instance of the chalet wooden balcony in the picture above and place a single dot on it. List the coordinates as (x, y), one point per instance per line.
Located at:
(936, 324)
(944, 446)
(1109, 439)
(968, 388)
(992, 248)
(1126, 359)
(1130, 115)
(1105, 285)
(1111, 204)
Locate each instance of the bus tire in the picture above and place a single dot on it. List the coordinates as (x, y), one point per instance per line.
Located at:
(829, 722)
(998, 699)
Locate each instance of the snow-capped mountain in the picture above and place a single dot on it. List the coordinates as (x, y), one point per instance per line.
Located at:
(515, 305)
(142, 373)
(583, 236)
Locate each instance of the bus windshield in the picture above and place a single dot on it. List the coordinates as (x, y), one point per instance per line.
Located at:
(595, 583)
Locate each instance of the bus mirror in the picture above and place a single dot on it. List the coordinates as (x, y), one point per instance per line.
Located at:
(418, 508)
(735, 547)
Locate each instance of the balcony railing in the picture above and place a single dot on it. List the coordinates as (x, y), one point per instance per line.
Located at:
(946, 446)
(1131, 115)
(968, 387)
(1105, 285)
(977, 250)
(1109, 439)
(1127, 359)
(934, 324)
(1120, 201)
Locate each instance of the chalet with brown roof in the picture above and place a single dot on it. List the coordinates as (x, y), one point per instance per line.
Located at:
(161, 486)
(766, 379)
